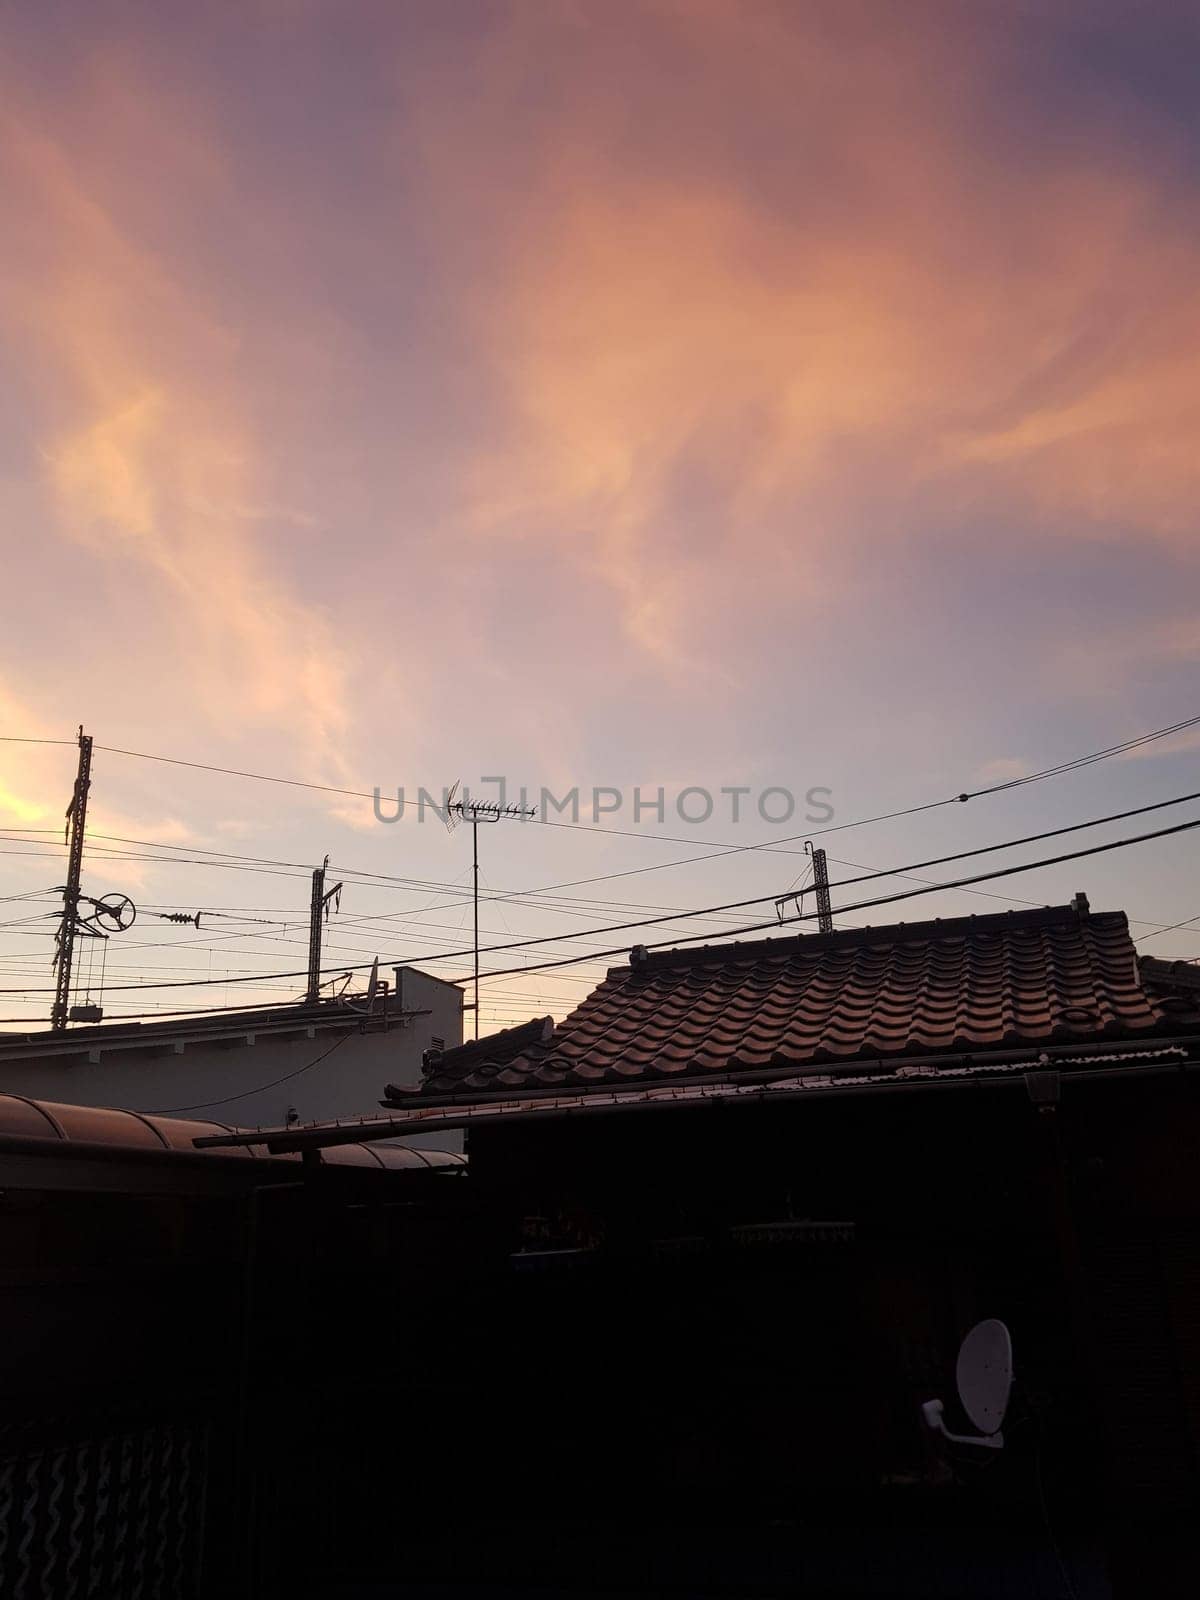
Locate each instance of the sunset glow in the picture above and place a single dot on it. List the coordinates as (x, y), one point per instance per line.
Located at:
(672, 392)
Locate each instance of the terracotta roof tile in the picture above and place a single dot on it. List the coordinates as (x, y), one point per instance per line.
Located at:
(970, 984)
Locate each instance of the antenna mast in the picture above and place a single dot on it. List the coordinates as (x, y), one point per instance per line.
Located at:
(821, 885)
(475, 812)
(318, 912)
(65, 939)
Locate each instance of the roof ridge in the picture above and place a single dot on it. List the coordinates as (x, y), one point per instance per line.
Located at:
(643, 960)
(507, 1040)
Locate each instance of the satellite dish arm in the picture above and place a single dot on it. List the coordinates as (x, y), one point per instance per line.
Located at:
(934, 1414)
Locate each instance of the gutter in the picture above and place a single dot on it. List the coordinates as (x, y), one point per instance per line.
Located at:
(848, 1067)
(591, 1103)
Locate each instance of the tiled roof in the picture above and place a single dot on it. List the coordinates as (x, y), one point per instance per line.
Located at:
(1169, 977)
(1061, 975)
(494, 1051)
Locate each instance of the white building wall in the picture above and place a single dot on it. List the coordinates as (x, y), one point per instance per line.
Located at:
(333, 1075)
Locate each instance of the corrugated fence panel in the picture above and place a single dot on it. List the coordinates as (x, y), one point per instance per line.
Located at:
(118, 1516)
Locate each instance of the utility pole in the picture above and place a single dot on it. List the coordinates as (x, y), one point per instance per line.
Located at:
(317, 913)
(65, 940)
(821, 885)
(475, 812)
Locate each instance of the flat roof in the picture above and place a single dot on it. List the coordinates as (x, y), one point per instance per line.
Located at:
(295, 1019)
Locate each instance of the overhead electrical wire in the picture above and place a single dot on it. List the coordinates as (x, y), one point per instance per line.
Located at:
(841, 883)
(289, 916)
(17, 738)
(890, 899)
(545, 968)
(1174, 926)
(250, 974)
(164, 1010)
(906, 894)
(932, 861)
(1007, 899)
(768, 846)
(234, 861)
(585, 904)
(1072, 765)
(245, 1094)
(264, 864)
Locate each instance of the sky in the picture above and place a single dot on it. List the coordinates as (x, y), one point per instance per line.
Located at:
(670, 392)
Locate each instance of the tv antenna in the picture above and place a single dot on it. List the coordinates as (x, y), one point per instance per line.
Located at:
(984, 1375)
(475, 812)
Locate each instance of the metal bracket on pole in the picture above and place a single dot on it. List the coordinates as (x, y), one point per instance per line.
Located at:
(820, 885)
(317, 913)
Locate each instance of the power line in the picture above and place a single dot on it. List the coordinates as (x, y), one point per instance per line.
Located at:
(1173, 927)
(357, 948)
(235, 861)
(661, 866)
(773, 847)
(891, 899)
(217, 859)
(1007, 899)
(1086, 761)
(105, 855)
(1072, 765)
(996, 788)
(232, 860)
(933, 861)
(13, 738)
(585, 905)
(249, 976)
(262, 864)
(288, 915)
(260, 1088)
(165, 1010)
(237, 772)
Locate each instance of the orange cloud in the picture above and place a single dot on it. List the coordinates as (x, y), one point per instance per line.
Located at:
(931, 327)
(153, 463)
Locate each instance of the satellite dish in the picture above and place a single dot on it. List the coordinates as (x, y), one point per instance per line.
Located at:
(984, 1374)
(373, 985)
